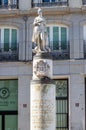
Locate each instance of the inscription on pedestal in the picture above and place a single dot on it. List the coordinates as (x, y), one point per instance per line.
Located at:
(43, 107)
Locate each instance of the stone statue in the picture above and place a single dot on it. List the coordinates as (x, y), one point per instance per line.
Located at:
(40, 36)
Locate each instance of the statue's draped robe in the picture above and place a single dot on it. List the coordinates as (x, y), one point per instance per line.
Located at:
(39, 32)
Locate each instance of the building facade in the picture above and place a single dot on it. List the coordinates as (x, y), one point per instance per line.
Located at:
(66, 26)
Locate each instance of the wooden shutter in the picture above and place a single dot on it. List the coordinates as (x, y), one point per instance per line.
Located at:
(55, 38)
(14, 39)
(63, 38)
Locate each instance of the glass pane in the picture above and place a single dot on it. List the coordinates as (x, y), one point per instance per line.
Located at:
(61, 106)
(61, 120)
(11, 122)
(5, 2)
(55, 38)
(14, 39)
(6, 39)
(0, 122)
(14, 2)
(9, 95)
(62, 129)
(63, 38)
(61, 88)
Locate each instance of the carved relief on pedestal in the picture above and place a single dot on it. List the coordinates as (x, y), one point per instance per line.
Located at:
(41, 69)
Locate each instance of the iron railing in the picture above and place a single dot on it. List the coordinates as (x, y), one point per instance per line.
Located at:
(9, 5)
(58, 51)
(84, 2)
(50, 4)
(9, 54)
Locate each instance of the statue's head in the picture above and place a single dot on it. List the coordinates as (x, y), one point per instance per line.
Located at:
(39, 11)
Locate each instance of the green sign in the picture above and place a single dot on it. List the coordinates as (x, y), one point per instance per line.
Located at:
(8, 95)
(11, 122)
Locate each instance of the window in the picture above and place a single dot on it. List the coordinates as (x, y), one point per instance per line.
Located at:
(8, 39)
(49, 3)
(58, 37)
(3, 2)
(61, 104)
(8, 3)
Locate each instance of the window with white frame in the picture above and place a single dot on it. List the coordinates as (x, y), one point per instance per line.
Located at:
(8, 38)
(58, 37)
(3, 2)
(8, 2)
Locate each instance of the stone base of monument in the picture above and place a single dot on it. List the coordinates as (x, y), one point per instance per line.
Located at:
(42, 98)
(43, 109)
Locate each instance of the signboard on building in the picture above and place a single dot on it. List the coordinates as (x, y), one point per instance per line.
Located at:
(8, 95)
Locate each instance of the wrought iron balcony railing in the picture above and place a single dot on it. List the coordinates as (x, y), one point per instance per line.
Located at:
(10, 54)
(50, 4)
(84, 2)
(59, 51)
(11, 4)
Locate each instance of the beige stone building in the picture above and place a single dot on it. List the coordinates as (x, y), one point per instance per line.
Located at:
(66, 26)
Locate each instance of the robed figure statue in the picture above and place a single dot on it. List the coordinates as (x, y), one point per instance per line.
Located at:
(40, 35)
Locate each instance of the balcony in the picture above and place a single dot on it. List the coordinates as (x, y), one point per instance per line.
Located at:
(60, 52)
(11, 4)
(9, 55)
(50, 4)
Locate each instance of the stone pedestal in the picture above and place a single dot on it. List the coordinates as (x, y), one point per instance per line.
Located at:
(42, 99)
(43, 105)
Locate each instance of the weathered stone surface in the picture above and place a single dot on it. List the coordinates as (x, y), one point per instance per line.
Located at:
(42, 106)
